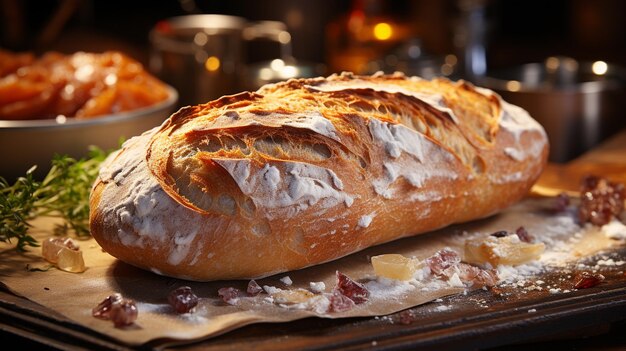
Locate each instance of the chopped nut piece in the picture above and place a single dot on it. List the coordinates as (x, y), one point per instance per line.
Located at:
(121, 311)
(351, 289)
(472, 275)
(124, 313)
(442, 259)
(230, 295)
(508, 250)
(339, 302)
(447, 264)
(393, 266)
(182, 299)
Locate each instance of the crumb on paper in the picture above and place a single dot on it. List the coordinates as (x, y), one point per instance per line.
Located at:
(317, 287)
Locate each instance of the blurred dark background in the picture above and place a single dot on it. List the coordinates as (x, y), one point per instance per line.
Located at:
(516, 31)
(459, 39)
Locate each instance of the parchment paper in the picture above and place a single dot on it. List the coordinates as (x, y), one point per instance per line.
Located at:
(74, 295)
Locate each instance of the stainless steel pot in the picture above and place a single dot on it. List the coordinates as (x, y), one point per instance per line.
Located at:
(579, 103)
(203, 56)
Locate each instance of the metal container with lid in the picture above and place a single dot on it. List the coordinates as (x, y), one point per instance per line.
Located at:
(578, 103)
(203, 56)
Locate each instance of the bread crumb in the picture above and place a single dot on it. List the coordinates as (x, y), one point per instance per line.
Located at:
(317, 287)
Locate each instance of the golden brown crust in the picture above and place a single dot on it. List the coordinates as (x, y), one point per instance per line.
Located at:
(307, 171)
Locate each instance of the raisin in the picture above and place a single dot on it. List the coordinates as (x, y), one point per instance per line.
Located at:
(351, 289)
(406, 317)
(585, 280)
(230, 295)
(121, 311)
(339, 302)
(442, 259)
(523, 235)
(124, 313)
(561, 202)
(500, 234)
(253, 288)
(182, 299)
(600, 200)
(103, 310)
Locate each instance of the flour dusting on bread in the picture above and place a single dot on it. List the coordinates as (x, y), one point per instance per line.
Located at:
(310, 170)
(139, 215)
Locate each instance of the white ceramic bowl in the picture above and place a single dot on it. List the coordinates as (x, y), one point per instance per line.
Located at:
(34, 142)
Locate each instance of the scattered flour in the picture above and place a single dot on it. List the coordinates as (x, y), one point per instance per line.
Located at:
(442, 308)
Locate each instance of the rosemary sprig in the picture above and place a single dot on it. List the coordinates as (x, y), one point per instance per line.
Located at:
(63, 192)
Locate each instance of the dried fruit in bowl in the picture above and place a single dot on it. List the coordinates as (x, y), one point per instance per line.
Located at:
(81, 85)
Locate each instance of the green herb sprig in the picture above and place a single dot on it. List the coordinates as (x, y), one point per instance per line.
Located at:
(63, 192)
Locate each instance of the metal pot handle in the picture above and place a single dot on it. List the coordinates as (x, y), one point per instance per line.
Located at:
(270, 30)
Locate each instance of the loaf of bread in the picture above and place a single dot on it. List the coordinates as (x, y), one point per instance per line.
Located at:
(309, 170)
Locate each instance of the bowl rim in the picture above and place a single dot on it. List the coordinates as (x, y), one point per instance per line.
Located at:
(51, 123)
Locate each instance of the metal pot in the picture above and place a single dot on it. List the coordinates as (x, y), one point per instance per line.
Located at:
(203, 56)
(579, 103)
